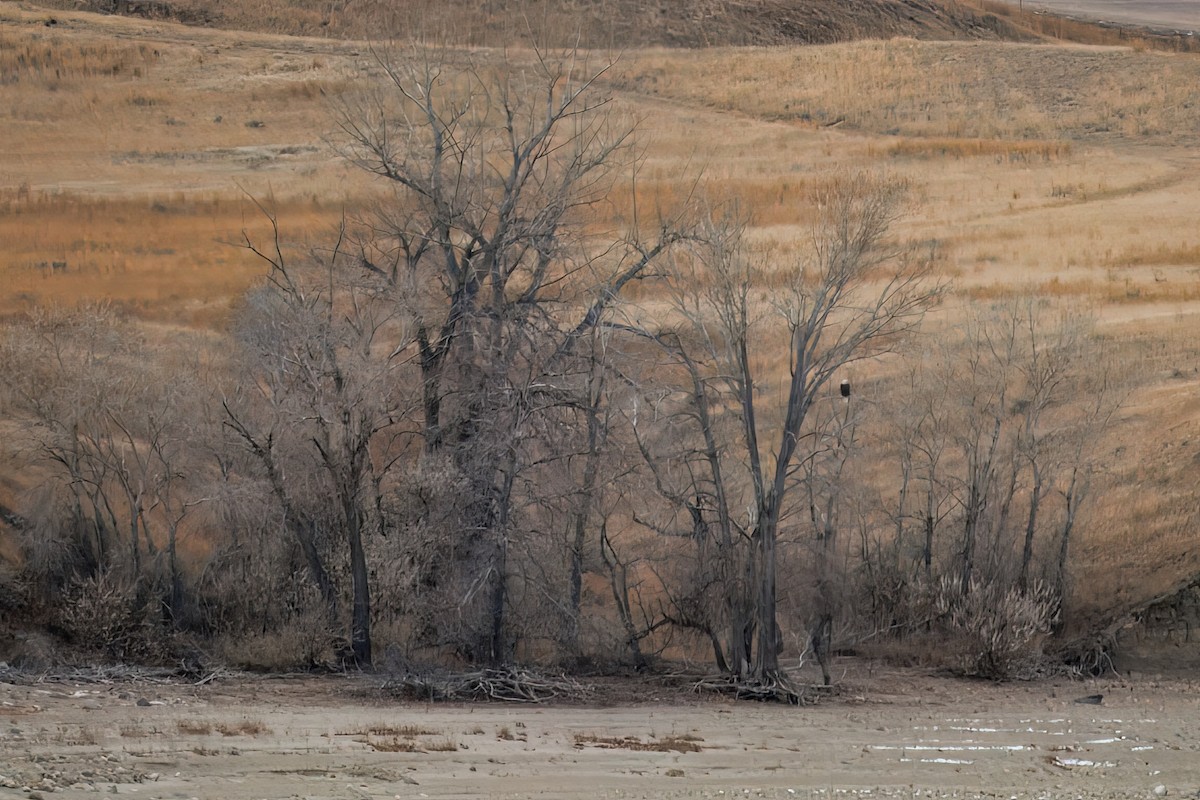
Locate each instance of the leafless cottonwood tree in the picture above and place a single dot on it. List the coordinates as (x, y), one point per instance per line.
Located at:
(496, 171)
(995, 436)
(851, 299)
(1022, 385)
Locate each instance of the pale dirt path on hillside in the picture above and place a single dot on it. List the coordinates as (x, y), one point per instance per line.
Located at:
(899, 736)
(1179, 14)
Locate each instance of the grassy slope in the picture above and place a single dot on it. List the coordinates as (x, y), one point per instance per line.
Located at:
(596, 23)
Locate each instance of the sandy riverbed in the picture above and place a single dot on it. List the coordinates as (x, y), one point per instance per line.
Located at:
(900, 735)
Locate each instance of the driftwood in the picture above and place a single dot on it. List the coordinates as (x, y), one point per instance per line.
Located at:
(117, 673)
(85, 675)
(506, 684)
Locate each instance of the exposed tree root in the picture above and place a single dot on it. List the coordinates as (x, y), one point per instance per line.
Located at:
(773, 689)
(1089, 656)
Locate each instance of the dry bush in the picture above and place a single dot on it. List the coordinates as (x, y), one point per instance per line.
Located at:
(56, 550)
(14, 599)
(305, 641)
(387, 729)
(104, 614)
(999, 629)
(246, 727)
(394, 745)
(254, 597)
(893, 603)
(446, 745)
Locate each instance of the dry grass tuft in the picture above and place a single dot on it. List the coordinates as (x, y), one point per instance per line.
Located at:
(1162, 255)
(394, 745)
(194, 727)
(685, 743)
(48, 61)
(244, 728)
(1004, 151)
(385, 729)
(446, 745)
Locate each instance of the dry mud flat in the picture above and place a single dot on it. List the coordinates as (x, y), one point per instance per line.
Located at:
(906, 736)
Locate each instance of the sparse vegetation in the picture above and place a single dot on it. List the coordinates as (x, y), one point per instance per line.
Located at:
(668, 744)
(245, 727)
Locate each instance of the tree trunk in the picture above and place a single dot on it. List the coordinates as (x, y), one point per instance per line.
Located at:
(360, 620)
(175, 592)
(303, 531)
(766, 660)
(1072, 496)
(498, 647)
(927, 555)
(741, 617)
(498, 601)
(619, 581)
(582, 514)
(822, 641)
(349, 480)
(970, 533)
(431, 389)
(1035, 500)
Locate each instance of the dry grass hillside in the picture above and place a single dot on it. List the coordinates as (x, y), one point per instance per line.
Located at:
(132, 149)
(622, 24)
(617, 24)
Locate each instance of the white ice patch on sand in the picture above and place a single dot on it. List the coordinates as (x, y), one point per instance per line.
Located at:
(1081, 762)
(946, 748)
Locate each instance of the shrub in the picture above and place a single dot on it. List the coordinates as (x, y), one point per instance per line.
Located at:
(305, 641)
(1001, 629)
(103, 614)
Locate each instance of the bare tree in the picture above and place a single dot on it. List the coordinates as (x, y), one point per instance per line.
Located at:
(852, 299)
(496, 171)
(999, 424)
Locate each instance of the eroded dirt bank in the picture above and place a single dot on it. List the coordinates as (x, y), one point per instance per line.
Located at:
(901, 735)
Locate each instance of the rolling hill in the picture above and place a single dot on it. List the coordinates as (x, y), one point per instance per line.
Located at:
(594, 23)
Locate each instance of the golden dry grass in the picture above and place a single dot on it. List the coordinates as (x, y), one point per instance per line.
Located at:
(194, 727)
(937, 89)
(173, 258)
(245, 727)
